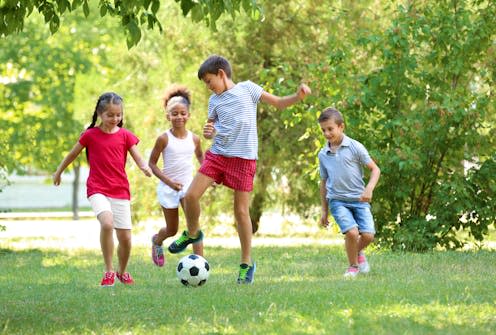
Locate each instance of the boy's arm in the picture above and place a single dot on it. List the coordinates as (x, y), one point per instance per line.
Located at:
(283, 102)
(71, 156)
(375, 173)
(139, 161)
(324, 218)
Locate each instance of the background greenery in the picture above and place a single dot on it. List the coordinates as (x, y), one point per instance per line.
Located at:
(414, 79)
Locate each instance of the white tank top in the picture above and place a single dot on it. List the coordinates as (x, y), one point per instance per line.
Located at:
(178, 158)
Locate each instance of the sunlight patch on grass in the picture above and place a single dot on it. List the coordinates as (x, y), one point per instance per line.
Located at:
(438, 315)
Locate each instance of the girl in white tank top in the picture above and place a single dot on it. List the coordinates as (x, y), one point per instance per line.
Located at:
(177, 147)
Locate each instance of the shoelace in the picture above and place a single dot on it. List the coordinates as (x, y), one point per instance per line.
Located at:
(243, 273)
(183, 238)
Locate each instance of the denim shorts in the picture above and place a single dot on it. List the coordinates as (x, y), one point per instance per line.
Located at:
(351, 214)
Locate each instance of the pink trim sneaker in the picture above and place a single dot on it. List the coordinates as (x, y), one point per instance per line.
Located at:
(363, 265)
(351, 272)
(108, 279)
(125, 278)
(157, 252)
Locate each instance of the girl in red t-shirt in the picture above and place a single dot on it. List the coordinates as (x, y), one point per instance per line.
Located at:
(107, 185)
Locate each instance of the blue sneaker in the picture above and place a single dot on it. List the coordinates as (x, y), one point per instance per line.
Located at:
(183, 241)
(247, 273)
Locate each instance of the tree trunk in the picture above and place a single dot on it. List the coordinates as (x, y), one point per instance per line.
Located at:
(75, 191)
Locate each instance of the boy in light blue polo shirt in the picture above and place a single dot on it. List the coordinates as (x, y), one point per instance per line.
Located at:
(343, 190)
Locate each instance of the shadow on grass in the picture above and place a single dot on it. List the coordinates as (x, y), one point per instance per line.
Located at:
(297, 290)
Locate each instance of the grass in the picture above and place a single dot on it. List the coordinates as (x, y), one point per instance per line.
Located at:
(298, 290)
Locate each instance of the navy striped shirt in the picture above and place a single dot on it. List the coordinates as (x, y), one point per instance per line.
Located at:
(235, 119)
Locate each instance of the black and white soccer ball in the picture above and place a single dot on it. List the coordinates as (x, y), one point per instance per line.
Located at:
(193, 270)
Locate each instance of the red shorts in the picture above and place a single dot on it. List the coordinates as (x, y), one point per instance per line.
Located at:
(234, 172)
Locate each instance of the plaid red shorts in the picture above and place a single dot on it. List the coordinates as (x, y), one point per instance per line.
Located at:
(234, 172)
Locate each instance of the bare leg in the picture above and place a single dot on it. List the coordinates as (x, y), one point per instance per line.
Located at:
(351, 245)
(364, 240)
(124, 248)
(107, 238)
(243, 221)
(171, 216)
(192, 202)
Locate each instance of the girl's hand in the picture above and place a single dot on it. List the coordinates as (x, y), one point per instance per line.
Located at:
(176, 186)
(146, 170)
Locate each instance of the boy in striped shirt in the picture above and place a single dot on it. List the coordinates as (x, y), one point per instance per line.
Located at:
(231, 160)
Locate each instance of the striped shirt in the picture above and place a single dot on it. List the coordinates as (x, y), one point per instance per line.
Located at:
(235, 119)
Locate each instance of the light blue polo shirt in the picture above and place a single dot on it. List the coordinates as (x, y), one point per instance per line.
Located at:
(235, 119)
(343, 170)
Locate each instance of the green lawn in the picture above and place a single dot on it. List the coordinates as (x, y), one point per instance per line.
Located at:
(298, 290)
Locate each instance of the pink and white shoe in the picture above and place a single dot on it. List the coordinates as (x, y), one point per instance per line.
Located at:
(363, 265)
(351, 272)
(157, 252)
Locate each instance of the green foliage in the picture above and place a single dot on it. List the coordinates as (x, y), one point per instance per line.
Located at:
(422, 107)
(437, 293)
(133, 14)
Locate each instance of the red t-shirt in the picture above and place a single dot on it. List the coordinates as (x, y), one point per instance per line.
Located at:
(107, 159)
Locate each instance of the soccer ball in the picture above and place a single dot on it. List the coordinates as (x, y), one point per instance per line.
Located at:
(193, 270)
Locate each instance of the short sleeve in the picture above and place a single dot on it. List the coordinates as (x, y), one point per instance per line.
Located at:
(322, 169)
(84, 138)
(131, 139)
(254, 89)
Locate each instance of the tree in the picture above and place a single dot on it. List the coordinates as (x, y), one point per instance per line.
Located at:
(37, 110)
(425, 108)
(133, 14)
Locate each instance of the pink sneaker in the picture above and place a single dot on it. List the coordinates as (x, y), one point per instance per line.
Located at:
(108, 279)
(125, 278)
(363, 265)
(157, 252)
(351, 272)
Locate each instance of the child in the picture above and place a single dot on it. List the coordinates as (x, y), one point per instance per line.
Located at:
(343, 190)
(231, 160)
(107, 185)
(177, 146)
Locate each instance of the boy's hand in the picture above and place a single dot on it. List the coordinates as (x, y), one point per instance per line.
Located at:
(56, 179)
(303, 91)
(324, 220)
(209, 130)
(366, 195)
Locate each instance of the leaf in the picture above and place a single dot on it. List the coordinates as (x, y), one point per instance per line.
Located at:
(54, 24)
(155, 6)
(86, 8)
(103, 10)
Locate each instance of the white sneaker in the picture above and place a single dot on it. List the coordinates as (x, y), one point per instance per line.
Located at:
(351, 272)
(363, 265)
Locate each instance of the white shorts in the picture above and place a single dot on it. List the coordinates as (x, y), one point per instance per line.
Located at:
(120, 209)
(168, 197)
